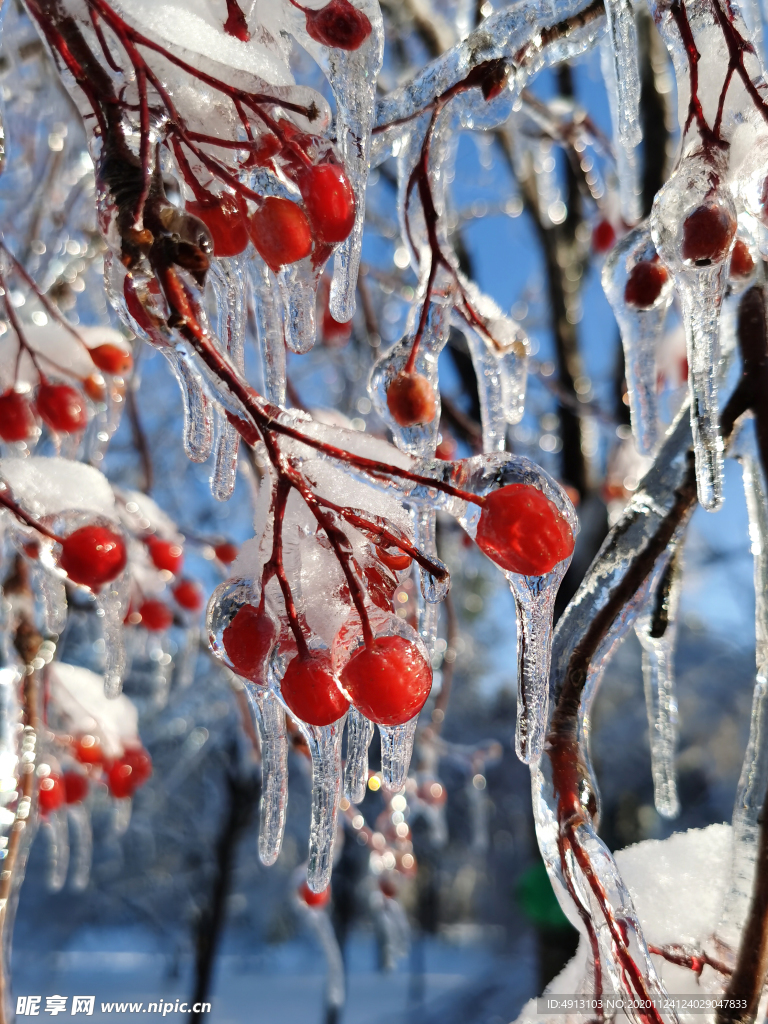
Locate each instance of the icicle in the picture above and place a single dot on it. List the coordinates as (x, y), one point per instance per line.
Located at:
(622, 78)
(198, 418)
(431, 591)
(352, 75)
(54, 600)
(396, 751)
(121, 816)
(325, 748)
(535, 605)
(270, 719)
(693, 228)
(54, 825)
(321, 925)
(112, 609)
(298, 289)
(393, 930)
(359, 736)
(640, 299)
(269, 326)
(753, 782)
(656, 629)
(229, 287)
(82, 848)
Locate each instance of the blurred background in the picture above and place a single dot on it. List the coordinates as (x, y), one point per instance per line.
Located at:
(463, 927)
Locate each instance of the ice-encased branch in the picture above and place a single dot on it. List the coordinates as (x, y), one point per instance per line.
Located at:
(528, 34)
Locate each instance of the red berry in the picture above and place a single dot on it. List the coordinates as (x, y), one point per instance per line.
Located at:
(393, 558)
(707, 234)
(742, 263)
(644, 284)
(337, 24)
(155, 616)
(50, 795)
(189, 595)
(248, 639)
(93, 555)
(523, 531)
(329, 201)
(87, 750)
(166, 554)
(310, 690)
(226, 552)
(140, 762)
(280, 232)
(62, 408)
(389, 682)
(112, 359)
(75, 787)
(603, 236)
(314, 899)
(17, 420)
(224, 216)
(95, 388)
(411, 400)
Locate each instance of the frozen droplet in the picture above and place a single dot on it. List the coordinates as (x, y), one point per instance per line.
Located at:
(396, 752)
(359, 736)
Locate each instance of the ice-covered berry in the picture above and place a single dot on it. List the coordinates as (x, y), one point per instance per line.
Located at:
(521, 530)
(93, 555)
(388, 681)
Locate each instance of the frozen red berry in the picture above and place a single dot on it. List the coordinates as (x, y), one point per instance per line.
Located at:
(338, 24)
(742, 263)
(93, 555)
(328, 200)
(75, 787)
(224, 216)
(310, 690)
(87, 750)
(388, 681)
(129, 772)
(521, 530)
(112, 359)
(707, 234)
(314, 899)
(280, 232)
(50, 795)
(166, 554)
(248, 639)
(17, 420)
(62, 408)
(189, 594)
(226, 552)
(156, 616)
(411, 400)
(603, 236)
(645, 283)
(393, 558)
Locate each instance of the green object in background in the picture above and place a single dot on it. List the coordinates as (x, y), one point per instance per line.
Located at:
(538, 901)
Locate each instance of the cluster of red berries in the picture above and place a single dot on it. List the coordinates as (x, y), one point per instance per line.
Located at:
(123, 775)
(388, 678)
(282, 231)
(61, 407)
(153, 614)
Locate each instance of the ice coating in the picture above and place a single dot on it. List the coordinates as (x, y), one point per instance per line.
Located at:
(270, 719)
(396, 752)
(641, 324)
(268, 316)
(325, 748)
(656, 629)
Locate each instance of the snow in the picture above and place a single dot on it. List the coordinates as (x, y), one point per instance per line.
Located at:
(47, 486)
(78, 695)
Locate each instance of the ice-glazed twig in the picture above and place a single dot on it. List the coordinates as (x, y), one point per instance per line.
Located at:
(270, 720)
(359, 736)
(753, 783)
(396, 751)
(325, 748)
(656, 630)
